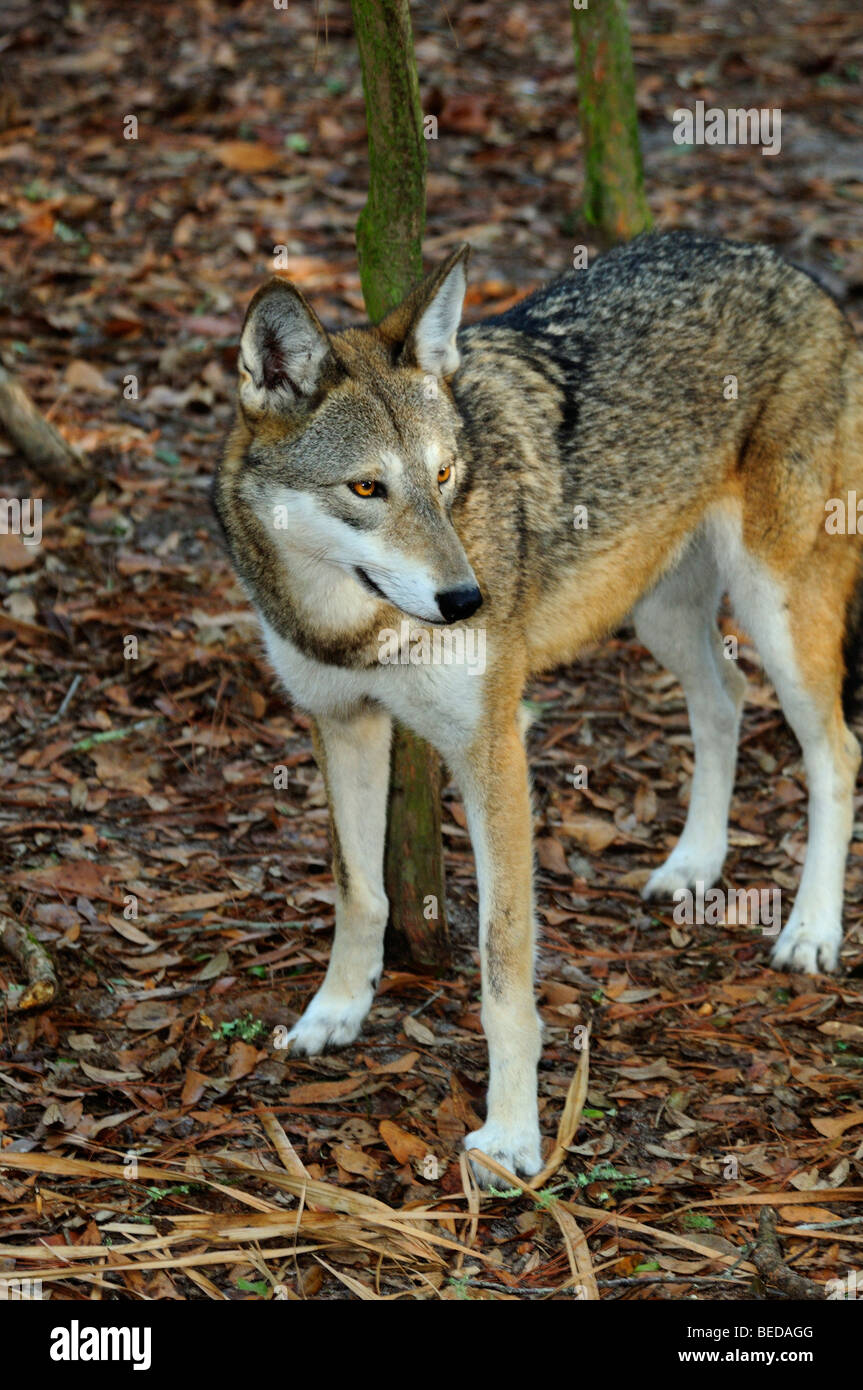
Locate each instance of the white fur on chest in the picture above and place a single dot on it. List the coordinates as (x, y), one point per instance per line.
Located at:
(442, 703)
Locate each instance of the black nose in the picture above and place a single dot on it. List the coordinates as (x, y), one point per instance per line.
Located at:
(456, 604)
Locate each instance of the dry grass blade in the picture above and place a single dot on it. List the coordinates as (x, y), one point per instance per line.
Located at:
(602, 1218)
(338, 1200)
(360, 1289)
(471, 1192)
(577, 1251)
(569, 1120)
(206, 1285)
(86, 1168)
(327, 1219)
(494, 1167)
(283, 1146)
(60, 1273)
(778, 1199)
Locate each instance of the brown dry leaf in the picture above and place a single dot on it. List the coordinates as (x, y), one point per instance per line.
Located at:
(402, 1145)
(795, 1215)
(194, 902)
(103, 1074)
(248, 156)
(645, 803)
(78, 876)
(193, 1087)
(84, 376)
(550, 854)
(591, 831)
(130, 932)
(418, 1032)
(831, 1128)
(406, 1062)
(243, 1058)
(151, 1015)
(317, 1092)
(848, 1032)
(356, 1161)
(15, 555)
(216, 965)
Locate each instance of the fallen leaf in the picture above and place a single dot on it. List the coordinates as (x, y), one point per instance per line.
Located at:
(831, 1128)
(248, 156)
(418, 1032)
(402, 1145)
(356, 1161)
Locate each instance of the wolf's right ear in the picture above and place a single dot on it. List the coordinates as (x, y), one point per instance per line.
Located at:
(425, 324)
(286, 358)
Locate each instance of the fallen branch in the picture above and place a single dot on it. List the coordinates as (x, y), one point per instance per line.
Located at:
(35, 962)
(774, 1272)
(50, 455)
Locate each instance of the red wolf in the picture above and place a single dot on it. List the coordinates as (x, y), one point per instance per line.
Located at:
(696, 404)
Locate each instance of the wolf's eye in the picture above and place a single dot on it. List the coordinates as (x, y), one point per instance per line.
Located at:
(444, 474)
(368, 488)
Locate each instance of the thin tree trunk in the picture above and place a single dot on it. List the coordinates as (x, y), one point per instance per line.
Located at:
(614, 199)
(389, 245)
(390, 228)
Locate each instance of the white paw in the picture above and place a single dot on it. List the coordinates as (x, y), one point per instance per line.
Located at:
(808, 945)
(684, 868)
(329, 1021)
(517, 1149)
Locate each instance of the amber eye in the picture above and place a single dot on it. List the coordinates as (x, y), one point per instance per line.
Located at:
(444, 474)
(364, 489)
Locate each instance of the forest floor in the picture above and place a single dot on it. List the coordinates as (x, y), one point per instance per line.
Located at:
(144, 782)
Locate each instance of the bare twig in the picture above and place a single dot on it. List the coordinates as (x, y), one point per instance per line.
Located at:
(774, 1272)
(50, 454)
(36, 963)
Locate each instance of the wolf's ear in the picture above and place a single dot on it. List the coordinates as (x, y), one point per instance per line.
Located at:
(428, 320)
(286, 358)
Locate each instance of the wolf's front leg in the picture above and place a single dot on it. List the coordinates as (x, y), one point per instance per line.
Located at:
(354, 757)
(497, 802)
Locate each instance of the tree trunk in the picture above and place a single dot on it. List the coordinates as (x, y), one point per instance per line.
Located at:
(389, 246)
(614, 200)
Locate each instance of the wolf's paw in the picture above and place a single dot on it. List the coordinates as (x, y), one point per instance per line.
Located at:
(515, 1149)
(808, 945)
(329, 1021)
(684, 868)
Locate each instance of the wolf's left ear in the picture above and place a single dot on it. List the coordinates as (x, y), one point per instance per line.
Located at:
(428, 320)
(286, 358)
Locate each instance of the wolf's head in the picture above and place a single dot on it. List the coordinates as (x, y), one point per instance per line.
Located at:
(349, 448)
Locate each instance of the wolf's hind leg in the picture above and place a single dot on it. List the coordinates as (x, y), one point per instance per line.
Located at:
(677, 623)
(354, 756)
(797, 626)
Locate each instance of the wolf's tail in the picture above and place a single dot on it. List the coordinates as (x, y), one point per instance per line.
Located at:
(852, 651)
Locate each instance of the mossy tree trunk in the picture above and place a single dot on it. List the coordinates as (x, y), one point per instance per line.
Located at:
(614, 199)
(389, 244)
